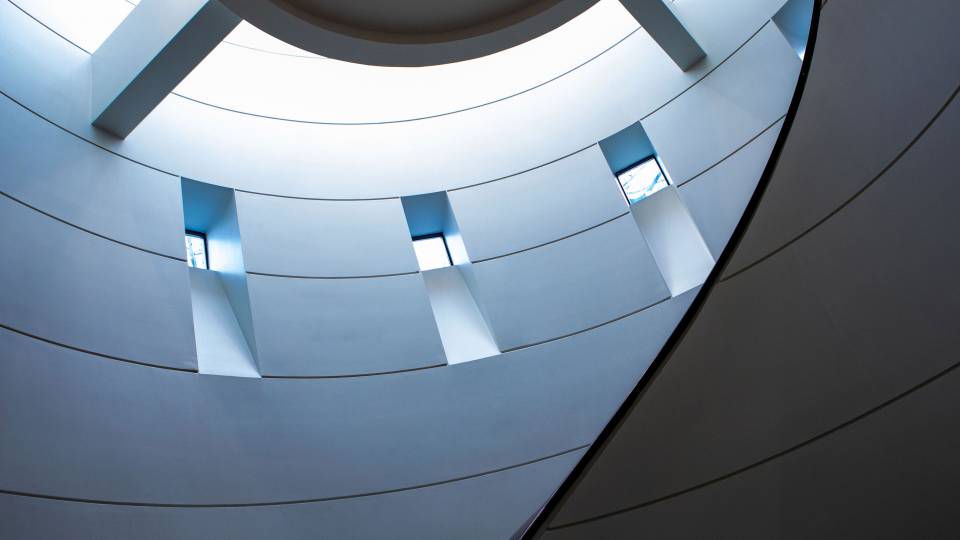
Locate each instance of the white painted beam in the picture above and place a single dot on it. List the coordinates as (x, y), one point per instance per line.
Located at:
(667, 30)
(151, 51)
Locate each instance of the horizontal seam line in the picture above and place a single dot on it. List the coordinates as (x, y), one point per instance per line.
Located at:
(498, 100)
(698, 81)
(555, 503)
(541, 165)
(562, 238)
(855, 195)
(352, 375)
(297, 501)
(721, 160)
(43, 24)
(587, 229)
(327, 123)
(82, 138)
(278, 377)
(772, 457)
(370, 276)
(705, 75)
(731, 154)
(303, 198)
(94, 353)
(419, 118)
(518, 173)
(724, 158)
(88, 231)
(594, 327)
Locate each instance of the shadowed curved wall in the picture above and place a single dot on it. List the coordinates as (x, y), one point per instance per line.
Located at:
(814, 394)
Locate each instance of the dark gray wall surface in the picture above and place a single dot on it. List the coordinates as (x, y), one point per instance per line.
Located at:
(880, 75)
(890, 475)
(764, 421)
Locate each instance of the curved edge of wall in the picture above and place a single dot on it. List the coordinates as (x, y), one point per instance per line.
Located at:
(539, 524)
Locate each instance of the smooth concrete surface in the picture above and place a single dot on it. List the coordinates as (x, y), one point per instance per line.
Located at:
(226, 148)
(909, 79)
(569, 286)
(296, 237)
(72, 287)
(225, 254)
(806, 399)
(448, 451)
(889, 475)
(324, 327)
(481, 508)
(371, 94)
(674, 240)
(225, 440)
(221, 346)
(87, 187)
(702, 126)
(462, 328)
(538, 206)
(717, 198)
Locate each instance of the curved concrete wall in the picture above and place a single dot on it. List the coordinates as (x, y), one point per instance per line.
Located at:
(814, 393)
(197, 141)
(358, 426)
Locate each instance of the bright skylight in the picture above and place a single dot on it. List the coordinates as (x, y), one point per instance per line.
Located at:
(255, 73)
(431, 252)
(642, 180)
(88, 23)
(326, 90)
(196, 250)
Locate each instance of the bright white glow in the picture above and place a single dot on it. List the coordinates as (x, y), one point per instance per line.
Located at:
(196, 251)
(326, 90)
(88, 23)
(431, 252)
(256, 73)
(642, 180)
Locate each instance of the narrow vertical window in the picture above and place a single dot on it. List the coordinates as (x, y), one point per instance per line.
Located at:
(642, 179)
(431, 251)
(196, 250)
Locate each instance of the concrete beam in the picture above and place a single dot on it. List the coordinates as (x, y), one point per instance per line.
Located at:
(147, 56)
(664, 27)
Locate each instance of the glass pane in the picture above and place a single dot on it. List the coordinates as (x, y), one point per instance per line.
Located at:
(196, 251)
(431, 252)
(642, 180)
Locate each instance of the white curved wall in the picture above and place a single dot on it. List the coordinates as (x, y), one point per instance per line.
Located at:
(213, 145)
(357, 398)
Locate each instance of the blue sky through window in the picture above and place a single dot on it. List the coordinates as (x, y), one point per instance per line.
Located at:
(196, 251)
(642, 180)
